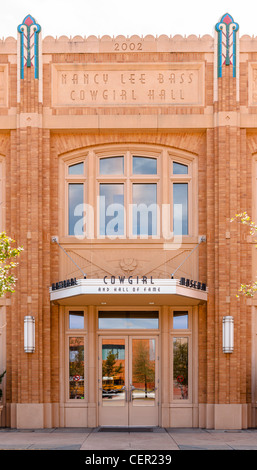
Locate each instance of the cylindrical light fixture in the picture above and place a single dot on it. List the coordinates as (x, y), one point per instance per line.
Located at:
(29, 334)
(228, 334)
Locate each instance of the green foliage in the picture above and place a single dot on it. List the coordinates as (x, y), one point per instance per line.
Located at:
(8, 255)
(1, 376)
(109, 367)
(247, 289)
(180, 360)
(143, 367)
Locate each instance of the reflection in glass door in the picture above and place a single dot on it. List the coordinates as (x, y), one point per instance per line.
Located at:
(142, 386)
(113, 372)
(128, 392)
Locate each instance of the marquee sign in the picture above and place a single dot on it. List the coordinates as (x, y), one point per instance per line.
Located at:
(86, 290)
(191, 283)
(64, 284)
(130, 280)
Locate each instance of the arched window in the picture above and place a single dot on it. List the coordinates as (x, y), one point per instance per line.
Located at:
(131, 193)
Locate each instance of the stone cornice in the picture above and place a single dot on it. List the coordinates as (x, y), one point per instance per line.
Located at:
(150, 43)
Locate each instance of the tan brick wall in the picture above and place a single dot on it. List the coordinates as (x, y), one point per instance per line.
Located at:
(224, 153)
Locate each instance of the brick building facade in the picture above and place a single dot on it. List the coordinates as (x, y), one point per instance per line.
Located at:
(167, 121)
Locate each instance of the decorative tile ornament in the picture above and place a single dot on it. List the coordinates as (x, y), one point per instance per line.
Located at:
(29, 31)
(226, 29)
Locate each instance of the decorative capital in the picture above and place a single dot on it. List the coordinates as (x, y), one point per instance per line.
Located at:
(226, 29)
(29, 31)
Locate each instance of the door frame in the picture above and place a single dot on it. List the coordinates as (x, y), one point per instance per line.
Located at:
(124, 419)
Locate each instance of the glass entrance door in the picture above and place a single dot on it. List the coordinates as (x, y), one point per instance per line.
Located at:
(128, 377)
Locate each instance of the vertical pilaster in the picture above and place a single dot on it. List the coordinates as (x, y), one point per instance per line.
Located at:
(92, 367)
(30, 156)
(226, 373)
(165, 366)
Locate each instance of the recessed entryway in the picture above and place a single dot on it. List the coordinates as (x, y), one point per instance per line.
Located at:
(128, 380)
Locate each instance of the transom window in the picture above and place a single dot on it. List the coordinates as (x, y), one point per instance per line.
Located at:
(111, 166)
(76, 169)
(144, 166)
(76, 320)
(179, 169)
(128, 320)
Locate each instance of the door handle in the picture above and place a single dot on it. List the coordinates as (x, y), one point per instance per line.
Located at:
(111, 392)
(126, 392)
(132, 388)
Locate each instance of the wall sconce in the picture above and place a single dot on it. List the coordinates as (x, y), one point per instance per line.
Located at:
(228, 334)
(29, 334)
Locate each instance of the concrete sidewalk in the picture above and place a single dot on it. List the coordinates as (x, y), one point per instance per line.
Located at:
(152, 439)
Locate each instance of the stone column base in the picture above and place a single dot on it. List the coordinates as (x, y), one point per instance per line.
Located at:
(224, 416)
(49, 415)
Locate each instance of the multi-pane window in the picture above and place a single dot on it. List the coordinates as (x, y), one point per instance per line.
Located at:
(128, 185)
(126, 196)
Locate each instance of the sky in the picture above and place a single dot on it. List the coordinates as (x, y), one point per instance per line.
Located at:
(127, 17)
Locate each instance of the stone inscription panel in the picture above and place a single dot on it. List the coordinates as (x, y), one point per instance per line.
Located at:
(128, 85)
